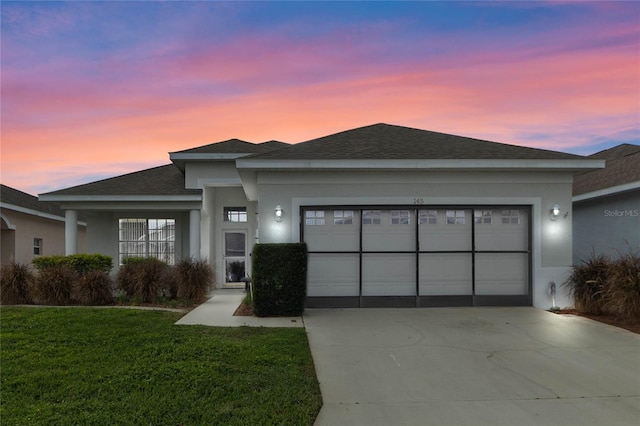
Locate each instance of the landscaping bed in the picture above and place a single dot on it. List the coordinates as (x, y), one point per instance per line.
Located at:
(631, 324)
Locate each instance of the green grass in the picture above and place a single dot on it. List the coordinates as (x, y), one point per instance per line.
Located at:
(88, 366)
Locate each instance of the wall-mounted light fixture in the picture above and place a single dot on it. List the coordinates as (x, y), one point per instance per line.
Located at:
(278, 213)
(554, 212)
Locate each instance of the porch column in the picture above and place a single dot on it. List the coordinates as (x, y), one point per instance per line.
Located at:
(70, 232)
(194, 234)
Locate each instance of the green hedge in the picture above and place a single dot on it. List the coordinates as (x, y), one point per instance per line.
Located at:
(279, 279)
(80, 263)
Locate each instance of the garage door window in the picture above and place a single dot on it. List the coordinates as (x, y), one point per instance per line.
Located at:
(314, 217)
(343, 217)
(455, 217)
(482, 217)
(400, 217)
(371, 217)
(511, 217)
(428, 217)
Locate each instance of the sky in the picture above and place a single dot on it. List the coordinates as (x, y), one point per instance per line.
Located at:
(95, 89)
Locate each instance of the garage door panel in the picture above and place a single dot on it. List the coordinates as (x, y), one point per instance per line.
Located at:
(444, 229)
(505, 229)
(392, 230)
(388, 275)
(502, 274)
(333, 275)
(445, 274)
(333, 232)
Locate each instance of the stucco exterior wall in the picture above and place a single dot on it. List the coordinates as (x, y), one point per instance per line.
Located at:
(607, 225)
(18, 243)
(199, 174)
(551, 240)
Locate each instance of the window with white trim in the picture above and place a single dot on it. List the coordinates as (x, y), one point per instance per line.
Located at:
(511, 217)
(343, 217)
(371, 217)
(147, 238)
(482, 217)
(456, 217)
(400, 217)
(235, 214)
(314, 217)
(428, 217)
(37, 246)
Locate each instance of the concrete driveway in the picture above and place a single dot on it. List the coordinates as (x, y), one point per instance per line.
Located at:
(472, 366)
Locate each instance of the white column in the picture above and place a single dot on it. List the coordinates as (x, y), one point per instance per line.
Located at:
(70, 232)
(194, 234)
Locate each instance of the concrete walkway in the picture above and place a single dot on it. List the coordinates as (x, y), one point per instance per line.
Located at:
(218, 311)
(472, 366)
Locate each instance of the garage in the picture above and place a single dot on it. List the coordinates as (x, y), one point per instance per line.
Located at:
(417, 256)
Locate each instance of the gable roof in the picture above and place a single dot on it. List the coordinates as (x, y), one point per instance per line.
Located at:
(233, 146)
(165, 181)
(621, 173)
(389, 142)
(11, 197)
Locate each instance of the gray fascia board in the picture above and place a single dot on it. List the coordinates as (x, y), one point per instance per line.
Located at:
(37, 213)
(117, 198)
(448, 164)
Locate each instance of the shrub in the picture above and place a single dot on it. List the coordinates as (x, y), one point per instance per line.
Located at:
(144, 278)
(94, 288)
(586, 284)
(16, 280)
(54, 285)
(80, 263)
(279, 279)
(622, 292)
(194, 279)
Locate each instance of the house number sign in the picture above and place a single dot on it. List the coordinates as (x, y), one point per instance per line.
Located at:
(418, 200)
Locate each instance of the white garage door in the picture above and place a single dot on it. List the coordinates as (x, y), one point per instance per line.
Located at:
(409, 256)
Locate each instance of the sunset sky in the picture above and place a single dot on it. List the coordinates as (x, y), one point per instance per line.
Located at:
(97, 89)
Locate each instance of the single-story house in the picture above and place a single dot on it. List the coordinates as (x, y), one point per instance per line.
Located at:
(606, 205)
(391, 215)
(31, 228)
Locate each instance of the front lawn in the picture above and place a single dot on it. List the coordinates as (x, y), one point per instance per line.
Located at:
(122, 366)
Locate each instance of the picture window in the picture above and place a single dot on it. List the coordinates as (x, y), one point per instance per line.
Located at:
(148, 238)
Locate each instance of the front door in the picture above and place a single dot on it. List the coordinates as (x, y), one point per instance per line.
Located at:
(235, 257)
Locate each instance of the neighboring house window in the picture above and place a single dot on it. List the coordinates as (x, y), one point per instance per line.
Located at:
(314, 217)
(455, 217)
(399, 217)
(371, 217)
(235, 214)
(511, 217)
(482, 216)
(37, 246)
(148, 238)
(343, 217)
(428, 217)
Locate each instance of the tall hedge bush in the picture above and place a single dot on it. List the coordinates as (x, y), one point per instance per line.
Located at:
(279, 279)
(80, 263)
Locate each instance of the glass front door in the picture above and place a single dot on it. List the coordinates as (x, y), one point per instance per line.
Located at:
(235, 256)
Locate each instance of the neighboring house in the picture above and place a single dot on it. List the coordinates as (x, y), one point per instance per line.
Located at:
(31, 228)
(392, 216)
(606, 205)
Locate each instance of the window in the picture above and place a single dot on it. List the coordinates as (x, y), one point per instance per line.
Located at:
(482, 216)
(455, 217)
(37, 246)
(343, 217)
(399, 217)
(511, 217)
(428, 217)
(371, 217)
(235, 214)
(148, 238)
(314, 217)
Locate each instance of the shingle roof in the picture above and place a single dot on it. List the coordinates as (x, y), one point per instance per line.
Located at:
(162, 180)
(384, 141)
(622, 166)
(9, 195)
(234, 146)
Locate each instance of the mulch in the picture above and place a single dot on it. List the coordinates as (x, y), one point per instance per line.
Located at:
(243, 311)
(626, 323)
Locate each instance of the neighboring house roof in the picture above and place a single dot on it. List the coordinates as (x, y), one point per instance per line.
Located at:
(388, 142)
(11, 197)
(158, 181)
(234, 146)
(621, 173)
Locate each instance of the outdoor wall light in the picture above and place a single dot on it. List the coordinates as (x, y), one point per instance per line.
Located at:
(278, 213)
(555, 212)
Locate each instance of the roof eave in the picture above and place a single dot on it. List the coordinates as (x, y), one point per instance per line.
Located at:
(605, 192)
(62, 198)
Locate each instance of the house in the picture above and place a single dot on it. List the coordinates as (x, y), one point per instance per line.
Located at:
(606, 205)
(31, 228)
(391, 215)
